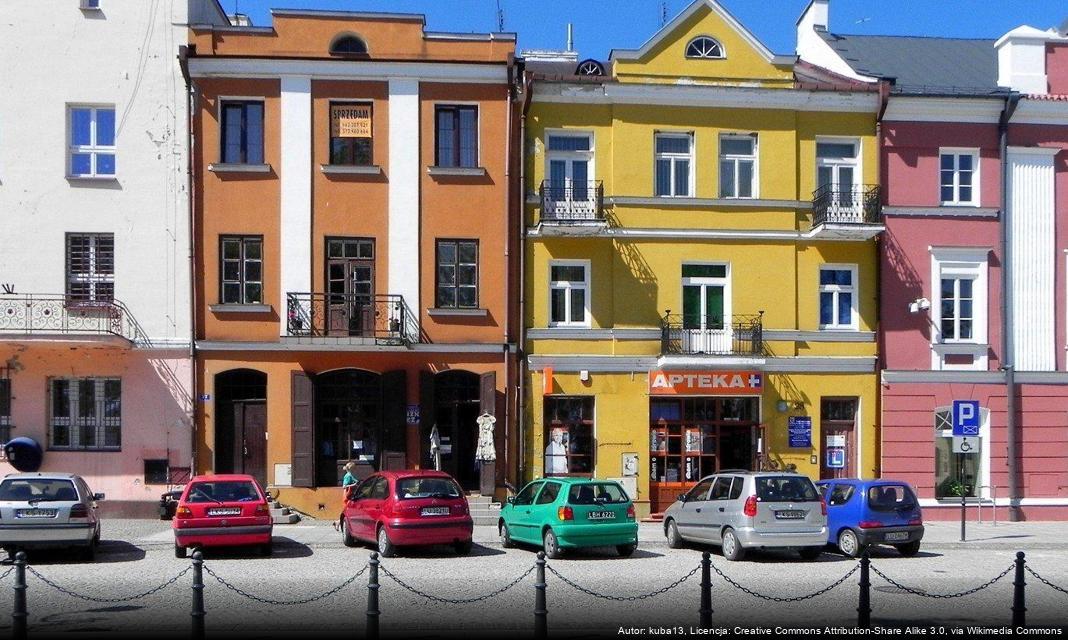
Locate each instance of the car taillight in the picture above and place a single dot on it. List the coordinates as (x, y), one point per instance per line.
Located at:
(183, 512)
(823, 506)
(750, 507)
(565, 513)
(915, 522)
(79, 511)
(630, 512)
(869, 524)
(262, 509)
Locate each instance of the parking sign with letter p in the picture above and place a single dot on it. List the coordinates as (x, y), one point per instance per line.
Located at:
(965, 417)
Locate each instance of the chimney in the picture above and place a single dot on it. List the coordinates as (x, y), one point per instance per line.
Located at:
(570, 37)
(815, 16)
(1022, 60)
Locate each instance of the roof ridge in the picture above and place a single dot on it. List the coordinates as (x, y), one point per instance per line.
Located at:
(881, 35)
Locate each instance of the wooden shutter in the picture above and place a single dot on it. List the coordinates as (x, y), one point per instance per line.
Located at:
(427, 416)
(394, 411)
(303, 422)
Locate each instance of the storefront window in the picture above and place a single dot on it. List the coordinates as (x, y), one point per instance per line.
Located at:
(691, 438)
(955, 474)
(569, 436)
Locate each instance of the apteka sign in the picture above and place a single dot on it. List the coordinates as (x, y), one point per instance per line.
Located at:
(708, 383)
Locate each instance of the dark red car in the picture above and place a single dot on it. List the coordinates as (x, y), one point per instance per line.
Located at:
(222, 511)
(407, 508)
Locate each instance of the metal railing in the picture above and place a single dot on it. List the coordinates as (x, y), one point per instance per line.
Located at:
(384, 319)
(570, 202)
(711, 335)
(59, 314)
(841, 204)
(993, 501)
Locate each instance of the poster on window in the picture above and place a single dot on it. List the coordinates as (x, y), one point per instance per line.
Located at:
(350, 121)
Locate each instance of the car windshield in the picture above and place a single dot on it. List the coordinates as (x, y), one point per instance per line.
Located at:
(223, 491)
(891, 497)
(597, 493)
(412, 488)
(786, 489)
(38, 490)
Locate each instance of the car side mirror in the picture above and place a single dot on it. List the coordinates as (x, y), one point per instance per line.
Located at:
(511, 499)
(98, 496)
(682, 497)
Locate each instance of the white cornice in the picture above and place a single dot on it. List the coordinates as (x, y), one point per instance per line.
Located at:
(1048, 112)
(944, 109)
(1042, 152)
(626, 364)
(349, 70)
(854, 233)
(707, 96)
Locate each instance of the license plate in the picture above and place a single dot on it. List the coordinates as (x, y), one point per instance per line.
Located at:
(602, 515)
(897, 536)
(434, 511)
(789, 515)
(36, 513)
(225, 511)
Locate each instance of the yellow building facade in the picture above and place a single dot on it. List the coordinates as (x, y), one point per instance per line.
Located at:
(700, 268)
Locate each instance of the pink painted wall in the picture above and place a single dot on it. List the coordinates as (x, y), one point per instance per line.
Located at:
(911, 163)
(1057, 68)
(155, 413)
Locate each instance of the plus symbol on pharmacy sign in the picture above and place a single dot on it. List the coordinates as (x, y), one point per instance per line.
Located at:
(755, 381)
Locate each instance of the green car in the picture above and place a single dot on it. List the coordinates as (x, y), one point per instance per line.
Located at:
(567, 513)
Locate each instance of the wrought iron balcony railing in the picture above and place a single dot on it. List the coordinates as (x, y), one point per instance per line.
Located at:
(382, 319)
(740, 335)
(571, 202)
(846, 204)
(58, 314)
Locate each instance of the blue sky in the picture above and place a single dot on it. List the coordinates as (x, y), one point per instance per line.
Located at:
(601, 25)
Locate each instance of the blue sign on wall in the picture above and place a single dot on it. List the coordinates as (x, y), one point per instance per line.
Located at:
(413, 414)
(965, 417)
(800, 432)
(836, 458)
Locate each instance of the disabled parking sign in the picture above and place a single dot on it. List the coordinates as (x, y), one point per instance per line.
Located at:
(965, 418)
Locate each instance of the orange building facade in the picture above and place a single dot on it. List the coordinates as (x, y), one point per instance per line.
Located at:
(353, 238)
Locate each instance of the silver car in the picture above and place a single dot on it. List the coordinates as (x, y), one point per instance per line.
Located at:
(742, 510)
(39, 510)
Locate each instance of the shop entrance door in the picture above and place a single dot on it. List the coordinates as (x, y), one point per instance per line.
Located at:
(250, 425)
(838, 418)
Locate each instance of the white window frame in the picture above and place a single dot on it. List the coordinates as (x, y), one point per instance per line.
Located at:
(690, 137)
(92, 148)
(568, 286)
(719, 44)
(956, 152)
(853, 290)
(735, 159)
(984, 457)
(588, 156)
(90, 5)
(857, 163)
(705, 281)
(957, 262)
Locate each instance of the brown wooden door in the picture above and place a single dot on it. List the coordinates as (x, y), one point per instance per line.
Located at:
(250, 429)
(350, 283)
(837, 438)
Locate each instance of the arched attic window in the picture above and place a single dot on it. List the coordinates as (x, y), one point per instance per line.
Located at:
(704, 47)
(589, 68)
(348, 45)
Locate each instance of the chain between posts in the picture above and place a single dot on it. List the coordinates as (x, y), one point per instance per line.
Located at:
(1045, 581)
(786, 599)
(435, 598)
(941, 596)
(80, 596)
(262, 600)
(6, 573)
(644, 596)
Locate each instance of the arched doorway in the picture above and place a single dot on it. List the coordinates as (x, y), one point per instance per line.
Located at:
(350, 425)
(241, 423)
(456, 410)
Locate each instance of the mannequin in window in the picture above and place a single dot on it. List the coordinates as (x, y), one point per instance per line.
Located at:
(556, 454)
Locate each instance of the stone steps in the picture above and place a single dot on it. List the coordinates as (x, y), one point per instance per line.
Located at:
(281, 514)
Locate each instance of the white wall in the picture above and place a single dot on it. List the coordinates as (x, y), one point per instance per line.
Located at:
(55, 53)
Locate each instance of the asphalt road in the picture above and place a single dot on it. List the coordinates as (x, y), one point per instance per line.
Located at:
(299, 571)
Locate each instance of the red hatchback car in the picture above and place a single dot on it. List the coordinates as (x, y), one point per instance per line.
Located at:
(407, 508)
(222, 511)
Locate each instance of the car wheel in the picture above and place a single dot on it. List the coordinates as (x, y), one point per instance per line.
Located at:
(550, 545)
(346, 536)
(179, 551)
(810, 553)
(267, 549)
(385, 546)
(89, 552)
(626, 550)
(506, 536)
(849, 544)
(908, 549)
(732, 549)
(674, 539)
(463, 548)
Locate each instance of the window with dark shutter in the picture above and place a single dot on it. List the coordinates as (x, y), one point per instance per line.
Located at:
(90, 268)
(303, 423)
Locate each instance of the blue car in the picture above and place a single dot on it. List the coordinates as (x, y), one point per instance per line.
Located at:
(862, 513)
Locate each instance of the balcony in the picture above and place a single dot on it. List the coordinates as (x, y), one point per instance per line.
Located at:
(847, 211)
(572, 202)
(382, 320)
(740, 335)
(40, 315)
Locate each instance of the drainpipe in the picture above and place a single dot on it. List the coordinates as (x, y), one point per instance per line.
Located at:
(1007, 311)
(184, 52)
(884, 102)
(521, 360)
(508, 334)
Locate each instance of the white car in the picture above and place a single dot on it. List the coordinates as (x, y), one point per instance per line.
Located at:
(48, 510)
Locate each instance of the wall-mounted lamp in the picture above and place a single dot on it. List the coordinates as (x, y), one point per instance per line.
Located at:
(785, 405)
(919, 304)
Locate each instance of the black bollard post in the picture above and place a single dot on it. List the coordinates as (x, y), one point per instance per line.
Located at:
(864, 607)
(19, 614)
(706, 590)
(198, 595)
(541, 630)
(372, 597)
(1019, 611)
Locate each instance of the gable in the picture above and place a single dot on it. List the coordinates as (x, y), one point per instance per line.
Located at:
(663, 58)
